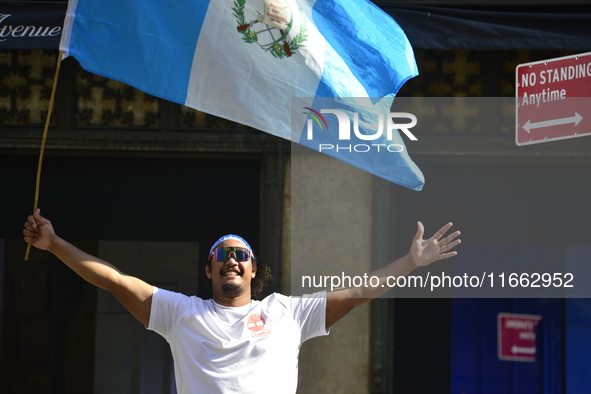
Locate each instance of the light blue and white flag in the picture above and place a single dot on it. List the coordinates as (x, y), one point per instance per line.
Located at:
(244, 60)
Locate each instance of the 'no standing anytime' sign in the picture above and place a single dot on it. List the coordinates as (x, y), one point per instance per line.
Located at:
(553, 99)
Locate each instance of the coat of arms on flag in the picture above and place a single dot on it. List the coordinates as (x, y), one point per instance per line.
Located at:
(280, 29)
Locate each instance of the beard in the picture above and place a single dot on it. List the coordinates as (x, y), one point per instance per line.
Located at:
(231, 290)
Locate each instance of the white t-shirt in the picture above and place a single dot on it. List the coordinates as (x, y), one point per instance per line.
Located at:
(249, 349)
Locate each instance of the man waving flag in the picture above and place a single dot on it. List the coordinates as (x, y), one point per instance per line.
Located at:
(245, 60)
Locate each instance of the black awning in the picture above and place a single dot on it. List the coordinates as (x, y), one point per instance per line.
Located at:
(526, 28)
(38, 25)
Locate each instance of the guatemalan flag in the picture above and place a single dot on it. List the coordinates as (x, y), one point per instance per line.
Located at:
(245, 60)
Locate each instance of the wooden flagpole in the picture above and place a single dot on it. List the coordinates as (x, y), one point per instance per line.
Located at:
(47, 121)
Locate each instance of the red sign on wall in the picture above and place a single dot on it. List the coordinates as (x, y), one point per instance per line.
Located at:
(517, 336)
(553, 99)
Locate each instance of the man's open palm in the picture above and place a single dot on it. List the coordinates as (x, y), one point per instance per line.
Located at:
(426, 251)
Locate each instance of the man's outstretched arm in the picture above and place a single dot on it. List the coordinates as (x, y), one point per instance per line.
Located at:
(133, 293)
(422, 252)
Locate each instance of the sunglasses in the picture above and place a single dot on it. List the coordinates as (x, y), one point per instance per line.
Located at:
(226, 252)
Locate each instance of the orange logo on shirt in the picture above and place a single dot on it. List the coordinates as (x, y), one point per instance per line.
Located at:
(256, 325)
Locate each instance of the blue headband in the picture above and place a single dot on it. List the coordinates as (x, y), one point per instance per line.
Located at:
(231, 236)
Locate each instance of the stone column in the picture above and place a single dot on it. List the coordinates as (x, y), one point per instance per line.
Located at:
(327, 228)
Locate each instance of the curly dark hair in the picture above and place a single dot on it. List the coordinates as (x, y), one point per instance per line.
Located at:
(259, 282)
(261, 279)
